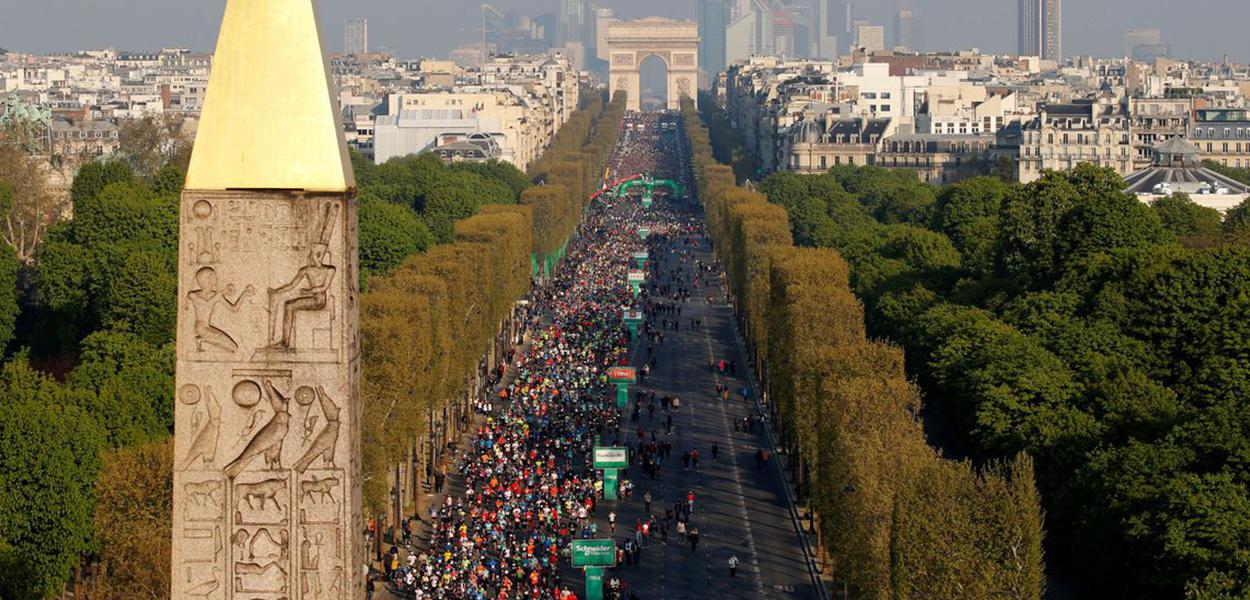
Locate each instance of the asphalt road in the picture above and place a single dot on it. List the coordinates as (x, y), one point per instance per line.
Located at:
(740, 509)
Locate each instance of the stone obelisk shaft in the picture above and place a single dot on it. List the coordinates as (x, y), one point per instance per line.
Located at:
(267, 501)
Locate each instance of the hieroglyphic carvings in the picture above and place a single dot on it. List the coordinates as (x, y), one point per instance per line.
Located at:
(267, 436)
(267, 417)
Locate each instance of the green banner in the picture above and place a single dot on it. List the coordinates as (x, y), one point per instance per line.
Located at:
(594, 583)
(610, 479)
(594, 553)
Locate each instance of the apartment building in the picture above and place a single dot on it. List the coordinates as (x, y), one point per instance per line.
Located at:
(1065, 135)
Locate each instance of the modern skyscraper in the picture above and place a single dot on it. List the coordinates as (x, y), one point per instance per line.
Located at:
(713, 21)
(1040, 29)
(1150, 36)
(833, 27)
(869, 37)
(572, 21)
(909, 30)
(604, 18)
(356, 36)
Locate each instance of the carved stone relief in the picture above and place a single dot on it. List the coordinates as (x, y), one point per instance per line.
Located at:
(631, 42)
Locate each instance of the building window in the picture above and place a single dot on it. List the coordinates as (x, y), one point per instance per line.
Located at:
(885, 108)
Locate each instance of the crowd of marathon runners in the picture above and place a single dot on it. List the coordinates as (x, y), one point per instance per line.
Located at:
(529, 489)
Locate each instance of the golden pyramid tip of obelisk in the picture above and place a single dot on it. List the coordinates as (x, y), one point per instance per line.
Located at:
(270, 118)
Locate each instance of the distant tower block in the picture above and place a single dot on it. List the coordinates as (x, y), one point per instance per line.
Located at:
(356, 36)
(267, 497)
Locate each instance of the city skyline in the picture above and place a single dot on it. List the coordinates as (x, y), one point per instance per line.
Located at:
(432, 29)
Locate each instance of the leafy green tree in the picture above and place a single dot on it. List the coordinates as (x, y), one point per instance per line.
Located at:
(1013, 394)
(1185, 218)
(150, 143)
(499, 172)
(94, 176)
(1218, 586)
(142, 298)
(8, 294)
(49, 457)
(389, 233)
(968, 213)
(133, 521)
(921, 249)
(127, 384)
(1107, 222)
(127, 213)
(168, 181)
(1242, 175)
(456, 197)
(1065, 216)
(447, 203)
(1005, 169)
(27, 203)
(1174, 303)
(114, 264)
(893, 196)
(1237, 219)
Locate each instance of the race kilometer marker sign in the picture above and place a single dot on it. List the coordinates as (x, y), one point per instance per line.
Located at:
(634, 316)
(637, 277)
(594, 553)
(611, 457)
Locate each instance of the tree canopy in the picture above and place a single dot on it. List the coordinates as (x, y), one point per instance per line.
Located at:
(897, 519)
(1067, 320)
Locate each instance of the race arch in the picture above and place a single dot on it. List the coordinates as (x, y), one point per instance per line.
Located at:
(673, 41)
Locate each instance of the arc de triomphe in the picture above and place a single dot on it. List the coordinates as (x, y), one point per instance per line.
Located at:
(674, 42)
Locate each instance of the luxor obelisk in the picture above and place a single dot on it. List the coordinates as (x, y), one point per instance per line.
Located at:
(267, 442)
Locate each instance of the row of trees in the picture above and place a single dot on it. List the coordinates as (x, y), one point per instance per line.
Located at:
(428, 327)
(896, 518)
(569, 172)
(423, 331)
(92, 303)
(1065, 319)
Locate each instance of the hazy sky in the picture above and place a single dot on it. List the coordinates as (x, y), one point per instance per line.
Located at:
(1195, 28)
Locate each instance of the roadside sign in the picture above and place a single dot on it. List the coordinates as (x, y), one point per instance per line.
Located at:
(611, 457)
(594, 553)
(636, 316)
(643, 232)
(641, 256)
(637, 277)
(620, 375)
